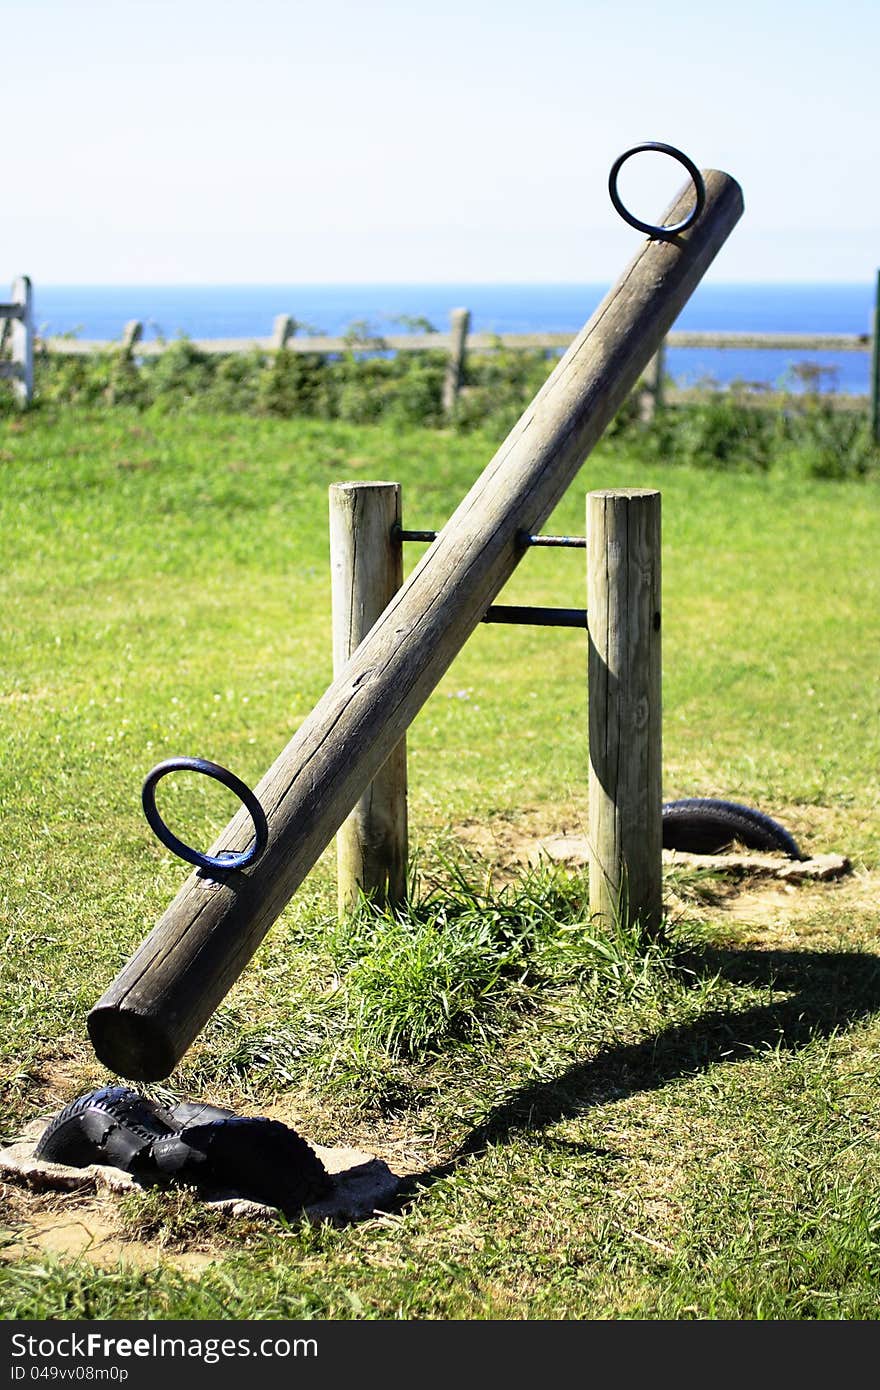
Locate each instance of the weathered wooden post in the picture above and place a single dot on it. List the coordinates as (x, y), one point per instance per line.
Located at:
(366, 563)
(131, 336)
(651, 399)
(23, 341)
(875, 368)
(624, 697)
(282, 329)
(658, 376)
(148, 1017)
(459, 323)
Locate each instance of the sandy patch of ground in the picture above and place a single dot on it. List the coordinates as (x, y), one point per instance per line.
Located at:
(70, 1228)
(797, 911)
(81, 1212)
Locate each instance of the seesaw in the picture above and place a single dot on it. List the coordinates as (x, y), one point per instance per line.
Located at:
(164, 995)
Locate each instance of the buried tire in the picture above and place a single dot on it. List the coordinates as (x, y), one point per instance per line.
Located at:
(114, 1126)
(701, 825)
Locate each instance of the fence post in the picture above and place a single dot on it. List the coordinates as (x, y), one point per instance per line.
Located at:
(23, 341)
(459, 323)
(875, 368)
(651, 399)
(282, 329)
(624, 696)
(366, 558)
(131, 335)
(659, 366)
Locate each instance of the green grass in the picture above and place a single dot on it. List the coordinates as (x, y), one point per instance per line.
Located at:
(596, 1126)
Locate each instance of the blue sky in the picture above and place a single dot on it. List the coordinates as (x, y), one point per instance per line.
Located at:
(199, 141)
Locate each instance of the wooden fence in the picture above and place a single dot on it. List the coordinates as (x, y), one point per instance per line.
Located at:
(17, 331)
(455, 344)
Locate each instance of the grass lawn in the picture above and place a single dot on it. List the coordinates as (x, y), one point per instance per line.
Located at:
(593, 1127)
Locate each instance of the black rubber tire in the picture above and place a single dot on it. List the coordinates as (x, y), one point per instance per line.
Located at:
(114, 1126)
(196, 1112)
(701, 825)
(257, 1158)
(204, 1145)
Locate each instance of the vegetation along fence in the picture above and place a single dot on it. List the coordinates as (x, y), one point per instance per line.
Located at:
(18, 315)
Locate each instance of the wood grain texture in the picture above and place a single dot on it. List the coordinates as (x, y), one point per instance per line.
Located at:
(150, 1014)
(624, 698)
(366, 567)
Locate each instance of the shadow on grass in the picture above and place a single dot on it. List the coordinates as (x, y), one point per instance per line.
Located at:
(824, 993)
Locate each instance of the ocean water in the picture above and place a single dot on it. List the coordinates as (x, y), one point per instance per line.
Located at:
(241, 311)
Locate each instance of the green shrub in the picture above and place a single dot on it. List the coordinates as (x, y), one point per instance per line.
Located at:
(805, 434)
(296, 383)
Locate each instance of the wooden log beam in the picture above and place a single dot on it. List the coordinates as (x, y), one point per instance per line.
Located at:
(160, 1000)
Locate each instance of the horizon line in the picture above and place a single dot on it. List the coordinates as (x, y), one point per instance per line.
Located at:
(412, 284)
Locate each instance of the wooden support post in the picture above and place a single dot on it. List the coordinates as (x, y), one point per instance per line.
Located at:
(875, 368)
(366, 562)
(23, 341)
(283, 328)
(459, 323)
(148, 1017)
(625, 728)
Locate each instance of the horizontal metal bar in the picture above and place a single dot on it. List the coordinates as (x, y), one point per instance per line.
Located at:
(569, 542)
(540, 617)
(11, 311)
(401, 535)
(11, 370)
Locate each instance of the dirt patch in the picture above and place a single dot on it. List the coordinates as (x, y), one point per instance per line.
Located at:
(807, 916)
(23, 697)
(80, 1212)
(53, 1081)
(744, 892)
(92, 1230)
(510, 843)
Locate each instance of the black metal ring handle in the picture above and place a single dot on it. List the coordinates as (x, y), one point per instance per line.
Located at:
(227, 859)
(662, 233)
